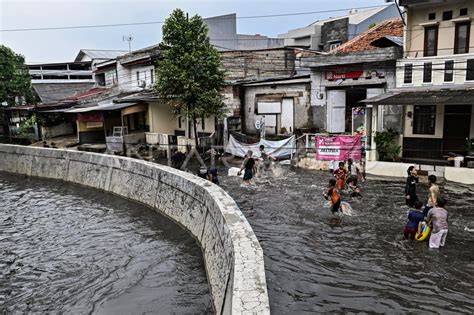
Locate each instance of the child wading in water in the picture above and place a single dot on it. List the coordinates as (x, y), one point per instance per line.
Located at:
(415, 217)
(439, 218)
(249, 166)
(410, 187)
(333, 193)
(341, 176)
(433, 194)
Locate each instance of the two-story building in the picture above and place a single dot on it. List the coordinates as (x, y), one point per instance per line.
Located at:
(435, 81)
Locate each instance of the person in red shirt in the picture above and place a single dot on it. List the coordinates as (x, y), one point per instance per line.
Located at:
(333, 195)
(341, 176)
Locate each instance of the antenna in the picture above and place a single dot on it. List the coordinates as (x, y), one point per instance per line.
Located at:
(129, 39)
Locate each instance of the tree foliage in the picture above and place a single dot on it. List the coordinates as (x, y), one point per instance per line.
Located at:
(15, 82)
(189, 74)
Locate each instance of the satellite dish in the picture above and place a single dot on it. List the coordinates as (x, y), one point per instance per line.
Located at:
(258, 124)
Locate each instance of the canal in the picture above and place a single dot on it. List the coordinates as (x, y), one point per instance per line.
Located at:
(315, 263)
(70, 249)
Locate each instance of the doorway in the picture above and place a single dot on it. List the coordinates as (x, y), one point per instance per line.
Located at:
(457, 125)
(353, 96)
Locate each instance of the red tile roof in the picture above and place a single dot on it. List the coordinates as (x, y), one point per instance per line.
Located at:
(390, 27)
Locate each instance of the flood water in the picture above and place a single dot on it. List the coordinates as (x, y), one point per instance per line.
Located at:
(316, 264)
(69, 249)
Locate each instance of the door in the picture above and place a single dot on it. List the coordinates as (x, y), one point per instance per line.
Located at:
(457, 125)
(287, 115)
(336, 113)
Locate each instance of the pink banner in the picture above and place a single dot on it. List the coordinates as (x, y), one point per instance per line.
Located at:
(339, 148)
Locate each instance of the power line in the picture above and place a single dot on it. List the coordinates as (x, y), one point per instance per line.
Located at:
(161, 22)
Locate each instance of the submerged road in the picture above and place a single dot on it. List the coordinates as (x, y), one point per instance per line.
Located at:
(69, 249)
(316, 264)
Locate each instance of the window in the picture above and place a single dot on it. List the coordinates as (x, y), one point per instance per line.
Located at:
(138, 77)
(424, 120)
(203, 119)
(408, 78)
(447, 15)
(448, 70)
(431, 41)
(470, 70)
(461, 38)
(463, 12)
(180, 125)
(152, 76)
(427, 72)
(432, 16)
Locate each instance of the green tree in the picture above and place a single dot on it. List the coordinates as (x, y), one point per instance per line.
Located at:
(15, 82)
(189, 74)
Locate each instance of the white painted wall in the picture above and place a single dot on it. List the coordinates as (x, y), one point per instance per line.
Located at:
(439, 124)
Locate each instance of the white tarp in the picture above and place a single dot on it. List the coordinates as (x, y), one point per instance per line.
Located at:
(282, 148)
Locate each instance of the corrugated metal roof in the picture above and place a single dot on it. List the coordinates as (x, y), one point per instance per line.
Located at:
(100, 54)
(103, 107)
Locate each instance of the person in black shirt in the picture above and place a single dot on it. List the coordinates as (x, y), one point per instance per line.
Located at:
(249, 166)
(410, 187)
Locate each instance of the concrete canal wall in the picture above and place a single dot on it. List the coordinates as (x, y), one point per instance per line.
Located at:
(232, 254)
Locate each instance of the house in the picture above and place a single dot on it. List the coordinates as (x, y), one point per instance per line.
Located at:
(327, 34)
(282, 103)
(54, 82)
(435, 82)
(358, 69)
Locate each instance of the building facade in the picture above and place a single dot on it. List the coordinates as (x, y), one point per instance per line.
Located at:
(327, 34)
(435, 81)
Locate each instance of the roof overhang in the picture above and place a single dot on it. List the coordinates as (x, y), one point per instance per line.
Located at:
(100, 107)
(427, 97)
(374, 55)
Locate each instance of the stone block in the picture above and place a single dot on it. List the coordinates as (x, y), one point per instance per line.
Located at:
(48, 167)
(87, 174)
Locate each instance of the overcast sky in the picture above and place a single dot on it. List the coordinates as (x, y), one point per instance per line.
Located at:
(63, 45)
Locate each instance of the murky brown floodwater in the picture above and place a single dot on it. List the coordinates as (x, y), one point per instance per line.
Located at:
(69, 249)
(362, 264)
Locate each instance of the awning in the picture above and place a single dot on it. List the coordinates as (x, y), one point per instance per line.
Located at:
(441, 97)
(103, 107)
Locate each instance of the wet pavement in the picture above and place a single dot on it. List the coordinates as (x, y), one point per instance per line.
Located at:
(70, 249)
(314, 263)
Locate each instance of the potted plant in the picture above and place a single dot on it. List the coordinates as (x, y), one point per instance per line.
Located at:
(387, 148)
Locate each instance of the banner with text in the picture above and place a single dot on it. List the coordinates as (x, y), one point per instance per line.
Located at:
(339, 148)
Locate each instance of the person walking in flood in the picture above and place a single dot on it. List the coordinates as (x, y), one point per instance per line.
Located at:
(410, 187)
(415, 217)
(433, 194)
(267, 158)
(333, 195)
(439, 218)
(341, 176)
(249, 166)
(354, 173)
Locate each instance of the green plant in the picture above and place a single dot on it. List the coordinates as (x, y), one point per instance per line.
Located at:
(387, 148)
(26, 128)
(189, 72)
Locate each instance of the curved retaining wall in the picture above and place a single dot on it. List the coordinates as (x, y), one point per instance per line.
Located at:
(232, 254)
